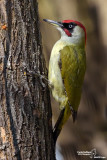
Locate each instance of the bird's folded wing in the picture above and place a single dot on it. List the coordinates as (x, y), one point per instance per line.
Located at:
(72, 64)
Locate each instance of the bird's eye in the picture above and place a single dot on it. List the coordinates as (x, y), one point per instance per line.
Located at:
(70, 25)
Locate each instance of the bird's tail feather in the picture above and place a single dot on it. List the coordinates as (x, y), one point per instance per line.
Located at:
(63, 117)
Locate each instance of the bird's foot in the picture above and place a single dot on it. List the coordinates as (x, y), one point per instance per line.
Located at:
(37, 74)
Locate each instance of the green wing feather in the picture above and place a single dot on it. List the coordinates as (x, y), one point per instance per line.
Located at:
(73, 66)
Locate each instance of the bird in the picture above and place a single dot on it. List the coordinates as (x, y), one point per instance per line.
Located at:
(67, 66)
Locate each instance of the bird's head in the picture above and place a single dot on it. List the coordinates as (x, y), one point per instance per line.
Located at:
(71, 30)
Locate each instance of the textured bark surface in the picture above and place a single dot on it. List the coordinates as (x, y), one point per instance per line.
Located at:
(89, 130)
(25, 111)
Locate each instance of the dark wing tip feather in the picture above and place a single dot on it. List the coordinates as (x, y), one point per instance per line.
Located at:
(74, 116)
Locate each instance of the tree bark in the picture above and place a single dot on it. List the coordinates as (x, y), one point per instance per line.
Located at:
(25, 111)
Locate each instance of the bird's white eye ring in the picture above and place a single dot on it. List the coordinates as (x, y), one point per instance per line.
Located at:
(70, 26)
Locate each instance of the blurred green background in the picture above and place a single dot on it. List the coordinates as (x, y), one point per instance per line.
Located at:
(90, 129)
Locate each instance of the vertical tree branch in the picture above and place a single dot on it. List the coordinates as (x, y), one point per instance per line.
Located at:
(25, 111)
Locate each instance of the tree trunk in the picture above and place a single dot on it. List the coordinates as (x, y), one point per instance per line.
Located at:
(25, 111)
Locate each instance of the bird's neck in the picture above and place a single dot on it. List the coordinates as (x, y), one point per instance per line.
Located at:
(74, 40)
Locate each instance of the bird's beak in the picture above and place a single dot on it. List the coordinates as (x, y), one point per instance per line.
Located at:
(57, 24)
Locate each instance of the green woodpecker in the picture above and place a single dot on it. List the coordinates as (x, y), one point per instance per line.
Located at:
(67, 67)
